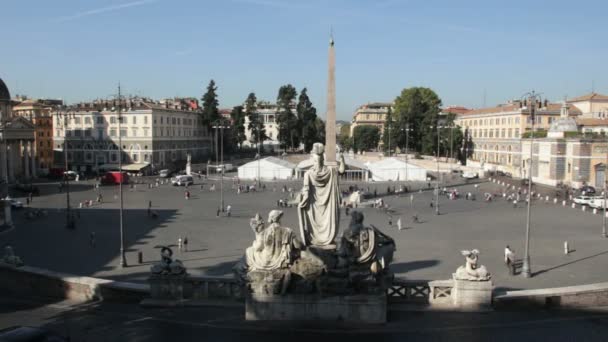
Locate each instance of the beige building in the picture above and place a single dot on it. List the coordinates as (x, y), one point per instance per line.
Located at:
(371, 114)
(592, 105)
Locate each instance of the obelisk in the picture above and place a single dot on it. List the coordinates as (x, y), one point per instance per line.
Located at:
(330, 119)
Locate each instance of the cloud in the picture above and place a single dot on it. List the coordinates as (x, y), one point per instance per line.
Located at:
(103, 10)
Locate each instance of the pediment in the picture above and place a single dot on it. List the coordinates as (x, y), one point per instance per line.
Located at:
(20, 123)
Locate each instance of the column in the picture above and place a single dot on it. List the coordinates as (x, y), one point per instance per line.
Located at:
(3, 165)
(33, 158)
(11, 162)
(26, 158)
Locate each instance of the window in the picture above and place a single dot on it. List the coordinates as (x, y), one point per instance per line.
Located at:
(134, 157)
(41, 143)
(510, 133)
(569, 167)
(77, 120)
(87, 120)
(113, 132)
(100, 133)
(161, 120)
(87, 132)
(517, 132)
(123, 132)
(146, 120)
(134, 132)
(113, 157)
(57, 132)
(145, 132)
(68, 133)
(134, 119)
(88, 156)
(146, 157)
(112, 119)
(100, 120)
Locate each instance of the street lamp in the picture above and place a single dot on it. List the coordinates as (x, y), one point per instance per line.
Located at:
(604, 217)
(221, 124)
(259, 155)
(532, 98)
(123, 259)
(438, 173)
(407, 130)
(66, 115)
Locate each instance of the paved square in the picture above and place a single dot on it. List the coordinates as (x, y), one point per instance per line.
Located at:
(426, 250)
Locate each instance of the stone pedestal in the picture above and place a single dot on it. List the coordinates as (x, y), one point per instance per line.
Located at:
(167, 286)
(366, 308)
(469, 295)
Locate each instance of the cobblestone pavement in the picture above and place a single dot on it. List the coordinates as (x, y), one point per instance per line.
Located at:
(426, 250)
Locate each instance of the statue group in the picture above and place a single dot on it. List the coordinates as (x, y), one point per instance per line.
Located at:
(319, 260)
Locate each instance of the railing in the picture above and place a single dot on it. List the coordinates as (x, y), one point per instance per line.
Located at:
(420, 292)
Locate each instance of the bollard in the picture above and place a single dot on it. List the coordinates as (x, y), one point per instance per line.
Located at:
(583, 207)
(594, 211)
(547, 198)
(555, 201)
(140, 257)
(566, 248)
(573, 205)
(564, 203)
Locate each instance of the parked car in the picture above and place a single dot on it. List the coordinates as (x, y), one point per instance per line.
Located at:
(21, 333)
(226, 167)
(584, 200)
(70, 175)
(182, 180)
(15, 204)
(469, 175)
(114, 177)
(166, 173)
(597, 203)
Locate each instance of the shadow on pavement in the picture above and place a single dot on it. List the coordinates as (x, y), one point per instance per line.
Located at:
(404, 267)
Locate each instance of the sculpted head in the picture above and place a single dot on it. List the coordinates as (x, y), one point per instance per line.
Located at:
(317, 154)
(275, 216)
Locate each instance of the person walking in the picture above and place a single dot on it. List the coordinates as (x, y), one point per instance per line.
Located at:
(92, 239)
(415, 218)
(185, 243)
(99, 198)
(187, 194)
(399, 224)
(179, 244)
(228, 210)
(149, 208)
(217, 214)
(509, 260)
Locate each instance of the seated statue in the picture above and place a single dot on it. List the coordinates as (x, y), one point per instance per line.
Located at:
(367, 246)
(168, 266)
(265, 265)
(472, 270)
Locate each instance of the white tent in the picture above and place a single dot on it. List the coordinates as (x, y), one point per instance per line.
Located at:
(393, 169)
(268, 168)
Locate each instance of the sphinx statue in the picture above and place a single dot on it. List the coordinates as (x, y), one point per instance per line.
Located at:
(10, 258)
(472, 270)
(168, 266)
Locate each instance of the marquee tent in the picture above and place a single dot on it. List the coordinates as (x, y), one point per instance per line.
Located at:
(268, 168)
(393, 169)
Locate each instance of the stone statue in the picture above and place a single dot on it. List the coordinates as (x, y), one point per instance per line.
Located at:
(319, 201)
(367, 246)
(168, 266)
(266, 264)
(472, 270)
(274, 247)
(10, 258)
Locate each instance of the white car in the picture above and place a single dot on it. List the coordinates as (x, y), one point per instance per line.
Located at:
(597, 203)
(469, 175)
(584, 200)
(164, 173)
(182, 180)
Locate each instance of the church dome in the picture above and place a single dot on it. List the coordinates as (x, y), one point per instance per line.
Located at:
(4, 93)
(564, 125)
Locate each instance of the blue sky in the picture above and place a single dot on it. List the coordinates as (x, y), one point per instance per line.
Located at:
(79, 50)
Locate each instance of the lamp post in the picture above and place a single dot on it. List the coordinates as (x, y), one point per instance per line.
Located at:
(259, 156)
(69, 221)
(407, 130)
(123, 259)
(438, 173)
(604, 203)
(221, 124)
(532, 99)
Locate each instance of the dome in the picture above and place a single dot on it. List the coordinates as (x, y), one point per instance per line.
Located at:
(564, 125)
(4, 93)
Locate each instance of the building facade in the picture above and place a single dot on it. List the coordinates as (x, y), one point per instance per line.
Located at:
(156, 134)
(371, 114)
(38, 112)
(268, 114)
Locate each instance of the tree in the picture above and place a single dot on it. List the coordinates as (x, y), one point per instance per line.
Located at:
(307, 116)
(238, 119)
(418, 108)
(256, 126)
(210, 112)
(344, 139)
(289, 133)
(366, 137)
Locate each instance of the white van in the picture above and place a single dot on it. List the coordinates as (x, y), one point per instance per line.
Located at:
(164, 173)
(182, 180)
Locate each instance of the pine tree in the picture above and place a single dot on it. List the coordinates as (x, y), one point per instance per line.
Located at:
(288, 130)
(256, 125)
(307, 116)
(238, 119)
(210, 112)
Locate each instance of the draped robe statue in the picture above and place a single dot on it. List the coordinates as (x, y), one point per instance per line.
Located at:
(273, 247)
(319, 201)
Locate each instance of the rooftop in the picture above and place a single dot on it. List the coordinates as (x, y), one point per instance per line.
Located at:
(589, 97)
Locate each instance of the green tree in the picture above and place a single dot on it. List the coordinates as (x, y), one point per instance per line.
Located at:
(289, 132)
(238, 119)
(210, 111)
(256, 126)
(344, 139)
(418, 108)
(307, 116)
(366, 137)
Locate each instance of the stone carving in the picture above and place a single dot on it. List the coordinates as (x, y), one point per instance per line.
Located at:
(10, 258)
(472, 270)
(168, 266)
(319, 201)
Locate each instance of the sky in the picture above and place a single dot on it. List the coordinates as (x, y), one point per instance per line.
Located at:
(469, 52)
